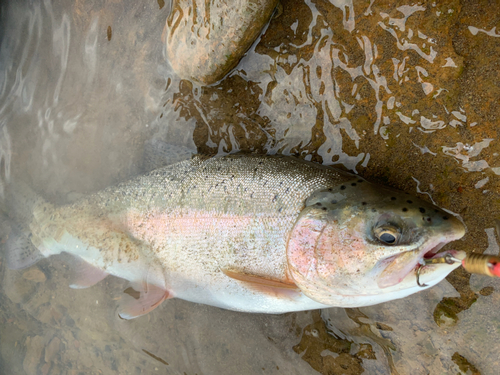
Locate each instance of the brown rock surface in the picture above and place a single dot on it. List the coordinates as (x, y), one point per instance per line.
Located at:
(205, 40)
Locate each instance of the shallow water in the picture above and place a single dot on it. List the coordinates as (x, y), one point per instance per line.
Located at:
(403, 94)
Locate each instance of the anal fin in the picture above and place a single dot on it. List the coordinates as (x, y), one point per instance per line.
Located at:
(85, 275)
(140, 302)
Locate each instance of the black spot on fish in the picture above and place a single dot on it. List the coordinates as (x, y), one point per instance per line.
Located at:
(393, 198)
(422, 210)
(363, 203)
(408, 201)
(360, 181)
(405, 209)
(436, 211)
(275, 198)
(445, 217)
(329, 189)
(324, 208)
(429, 219)
(280, 209)
(353, 184)
(342, 187)
(261, 162)
(318, 204)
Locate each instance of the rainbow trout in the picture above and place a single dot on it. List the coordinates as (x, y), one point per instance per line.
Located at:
(261, 234)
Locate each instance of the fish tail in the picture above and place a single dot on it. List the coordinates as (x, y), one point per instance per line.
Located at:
(19, 202)
(18, 205)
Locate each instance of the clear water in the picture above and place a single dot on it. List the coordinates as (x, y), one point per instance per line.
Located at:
(404, 94)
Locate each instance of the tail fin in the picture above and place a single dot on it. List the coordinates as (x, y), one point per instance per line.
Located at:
(20, 252)
(18, 204)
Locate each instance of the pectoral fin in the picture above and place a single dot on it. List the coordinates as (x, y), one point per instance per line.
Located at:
(140, 302)
(277, 288)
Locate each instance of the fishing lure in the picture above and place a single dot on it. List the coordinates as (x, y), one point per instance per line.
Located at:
(481, 264)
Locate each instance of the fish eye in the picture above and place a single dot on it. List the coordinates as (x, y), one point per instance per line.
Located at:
(387, 234)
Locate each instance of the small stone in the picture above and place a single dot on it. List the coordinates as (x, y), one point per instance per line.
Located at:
(34, 274)
(44, 314)
(45, 369)
(52, 349)
(56, 314)
(33, 355)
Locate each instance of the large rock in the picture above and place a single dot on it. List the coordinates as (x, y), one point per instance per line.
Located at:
(205, 40)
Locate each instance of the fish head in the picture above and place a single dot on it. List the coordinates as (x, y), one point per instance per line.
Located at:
(360, 244)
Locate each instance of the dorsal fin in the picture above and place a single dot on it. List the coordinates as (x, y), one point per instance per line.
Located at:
(159, 154)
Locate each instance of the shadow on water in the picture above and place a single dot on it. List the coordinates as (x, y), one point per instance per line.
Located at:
(404, 94)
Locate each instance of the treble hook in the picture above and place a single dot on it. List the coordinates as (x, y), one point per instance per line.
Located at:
(481, 264)
(418, 277)
(448, 258)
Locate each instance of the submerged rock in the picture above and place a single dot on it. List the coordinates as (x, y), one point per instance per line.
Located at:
(35, 274)
(205, 40)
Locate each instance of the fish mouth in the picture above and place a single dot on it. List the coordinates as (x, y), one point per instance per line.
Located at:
(397, 267)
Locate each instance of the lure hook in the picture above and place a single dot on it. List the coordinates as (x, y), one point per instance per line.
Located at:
(448, 258)
(418, 277)
(481, 264)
